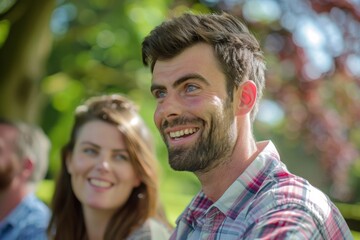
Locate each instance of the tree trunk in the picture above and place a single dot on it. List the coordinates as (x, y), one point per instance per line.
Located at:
(22, 59)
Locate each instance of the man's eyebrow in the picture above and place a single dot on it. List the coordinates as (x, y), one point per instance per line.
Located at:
(181, 80)
(190, 76)
(156, 87)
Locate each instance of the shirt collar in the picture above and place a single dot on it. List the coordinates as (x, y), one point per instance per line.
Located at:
(245, 186)
(248, 183)
(13, 218)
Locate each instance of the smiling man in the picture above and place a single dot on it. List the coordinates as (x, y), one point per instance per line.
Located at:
(207, 126)
(208, 74)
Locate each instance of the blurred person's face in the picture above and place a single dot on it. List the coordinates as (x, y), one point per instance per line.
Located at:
(194, 113)
(102, 176)
(9, 160)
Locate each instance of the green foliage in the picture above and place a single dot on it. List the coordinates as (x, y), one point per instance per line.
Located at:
(45, 191)
(174, 203)
(349, 211)
(355, 179)
(4, 30)
(356, 235)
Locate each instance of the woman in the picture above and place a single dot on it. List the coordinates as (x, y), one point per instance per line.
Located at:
(108, 185)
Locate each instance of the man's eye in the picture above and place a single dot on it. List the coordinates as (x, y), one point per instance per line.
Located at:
(191, 88)
(159, 93)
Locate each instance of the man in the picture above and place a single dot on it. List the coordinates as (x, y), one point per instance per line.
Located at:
(23, 163)
(207, 78)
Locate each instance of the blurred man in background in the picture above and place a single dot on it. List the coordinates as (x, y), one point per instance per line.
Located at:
(24, 151)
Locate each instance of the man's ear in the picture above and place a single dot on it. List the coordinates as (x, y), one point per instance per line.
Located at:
(28, 167)
(246, 95)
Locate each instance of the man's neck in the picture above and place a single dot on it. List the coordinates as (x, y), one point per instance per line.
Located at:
(216, 181)
(10, 199)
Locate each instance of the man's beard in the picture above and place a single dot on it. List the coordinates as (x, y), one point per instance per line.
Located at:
(6, 176)
(213, 147)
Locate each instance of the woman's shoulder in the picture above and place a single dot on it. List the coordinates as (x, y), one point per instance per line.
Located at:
(151, 229)
(158, 229)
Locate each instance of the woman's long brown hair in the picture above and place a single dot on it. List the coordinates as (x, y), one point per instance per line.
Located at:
(67, 221)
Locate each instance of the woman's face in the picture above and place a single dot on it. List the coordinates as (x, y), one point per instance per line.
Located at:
(102, 176)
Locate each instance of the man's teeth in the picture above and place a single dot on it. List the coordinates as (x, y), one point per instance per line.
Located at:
(182, 132)
(99, 183)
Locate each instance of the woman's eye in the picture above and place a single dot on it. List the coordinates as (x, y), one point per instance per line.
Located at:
(121, 157)
(90, 151)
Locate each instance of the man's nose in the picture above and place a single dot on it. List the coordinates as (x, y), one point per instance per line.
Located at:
(170, 108)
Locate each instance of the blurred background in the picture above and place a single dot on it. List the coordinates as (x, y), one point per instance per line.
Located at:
(56, 53)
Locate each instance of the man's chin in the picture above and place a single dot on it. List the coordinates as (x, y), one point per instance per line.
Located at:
(180, 165)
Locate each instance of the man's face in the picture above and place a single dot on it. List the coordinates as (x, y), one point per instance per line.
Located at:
(9, 162)
(194, 114)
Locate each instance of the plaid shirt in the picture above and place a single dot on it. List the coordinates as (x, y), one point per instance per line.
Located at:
(265, 202)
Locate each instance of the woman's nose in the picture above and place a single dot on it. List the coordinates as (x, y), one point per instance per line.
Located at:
(103, 164)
